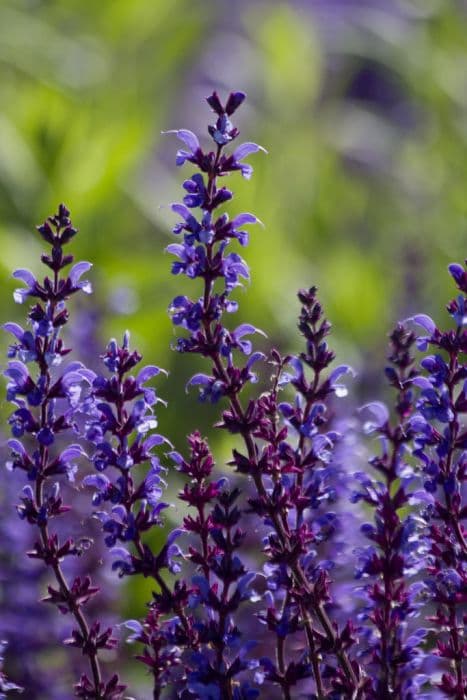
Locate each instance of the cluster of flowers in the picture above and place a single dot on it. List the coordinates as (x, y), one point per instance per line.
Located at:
(246, 588)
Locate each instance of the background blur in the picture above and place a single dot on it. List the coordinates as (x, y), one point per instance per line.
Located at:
(362, 105)
(363, 110)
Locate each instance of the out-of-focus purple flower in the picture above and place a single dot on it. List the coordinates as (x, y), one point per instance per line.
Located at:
(397, 549)
(440, 447)
(6, 686)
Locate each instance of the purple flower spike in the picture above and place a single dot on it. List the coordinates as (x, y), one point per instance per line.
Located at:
(291, 482)
(222, 584)
(215, 628)
(396, 550)
(41, 413)
(120, 418)
(440, 450)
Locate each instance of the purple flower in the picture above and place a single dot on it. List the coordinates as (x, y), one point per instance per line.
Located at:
(25, 349)
(440, 450)
(191, 141)
(74, 277)
(41, 413)
(242, 152)
(5, 685)
(290, 481)
(29, 280)
(380, 415)
(120, 422)
(21, 383)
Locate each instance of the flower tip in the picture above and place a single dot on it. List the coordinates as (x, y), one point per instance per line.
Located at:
(234, 101)
(456, 270)
(459, 275)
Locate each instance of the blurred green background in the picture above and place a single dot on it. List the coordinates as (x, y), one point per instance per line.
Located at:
(362, 107)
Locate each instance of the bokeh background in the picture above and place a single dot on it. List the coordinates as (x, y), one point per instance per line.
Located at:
(361, 104)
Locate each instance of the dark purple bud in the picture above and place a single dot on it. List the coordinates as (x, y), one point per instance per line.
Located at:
(234, 101)
(215, 103)
(459, 275)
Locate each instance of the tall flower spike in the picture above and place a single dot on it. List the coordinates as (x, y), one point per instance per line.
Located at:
(441, 444)
(221, 584)
(396, 552)
(121, 424)
(32, 630)
(203, 253)
(46, 402)
(207, 238)
(301, 474)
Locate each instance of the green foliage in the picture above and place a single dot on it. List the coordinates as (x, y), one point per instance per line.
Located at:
(365, 199)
